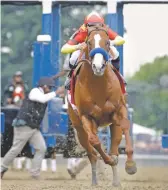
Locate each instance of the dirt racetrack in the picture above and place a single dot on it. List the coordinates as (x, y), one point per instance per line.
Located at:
(147, 178)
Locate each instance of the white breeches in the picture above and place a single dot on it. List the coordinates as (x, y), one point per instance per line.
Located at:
(115, 52)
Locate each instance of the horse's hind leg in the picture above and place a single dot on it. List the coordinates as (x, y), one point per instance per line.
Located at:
(84, 140)
(116, 137)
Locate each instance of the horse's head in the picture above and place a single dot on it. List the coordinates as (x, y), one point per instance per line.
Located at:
(98, 48)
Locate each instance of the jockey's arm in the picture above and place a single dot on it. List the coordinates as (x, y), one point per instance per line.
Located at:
(67, 48)
(115, 39)
(75, 43)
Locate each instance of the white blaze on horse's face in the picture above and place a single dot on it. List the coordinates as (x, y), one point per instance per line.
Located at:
(98, 60)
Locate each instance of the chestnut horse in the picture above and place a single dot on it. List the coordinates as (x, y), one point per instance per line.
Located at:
(100, 102)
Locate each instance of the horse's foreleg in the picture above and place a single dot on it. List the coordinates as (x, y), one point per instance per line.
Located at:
(116, 137)
(130, 166)
(122, 121)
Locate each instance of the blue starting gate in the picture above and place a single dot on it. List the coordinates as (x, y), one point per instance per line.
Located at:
(165, 141)
(2, 128)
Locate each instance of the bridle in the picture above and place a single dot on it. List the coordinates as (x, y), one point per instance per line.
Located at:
(97, 28)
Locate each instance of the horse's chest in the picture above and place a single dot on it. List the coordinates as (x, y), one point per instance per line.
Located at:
(98, 110)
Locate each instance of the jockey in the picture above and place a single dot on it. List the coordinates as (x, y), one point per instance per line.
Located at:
(77, 42)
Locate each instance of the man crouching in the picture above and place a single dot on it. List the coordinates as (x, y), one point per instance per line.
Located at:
(27, 125)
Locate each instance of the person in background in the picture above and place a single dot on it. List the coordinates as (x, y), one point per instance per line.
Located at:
(14, 94)
(15, 91)
(27, 125)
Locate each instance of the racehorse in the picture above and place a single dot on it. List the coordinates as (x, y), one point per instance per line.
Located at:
(100, 102)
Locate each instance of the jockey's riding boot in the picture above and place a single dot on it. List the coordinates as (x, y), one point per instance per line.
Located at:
(116, 63)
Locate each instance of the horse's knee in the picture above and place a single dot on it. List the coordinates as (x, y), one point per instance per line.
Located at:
(117, 140)
(125, 124)
(93, 139)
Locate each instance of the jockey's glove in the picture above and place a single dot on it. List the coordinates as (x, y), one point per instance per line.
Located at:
(118, 41)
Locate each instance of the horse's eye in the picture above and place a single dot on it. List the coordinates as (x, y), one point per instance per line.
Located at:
(94, 66)
(103, 66)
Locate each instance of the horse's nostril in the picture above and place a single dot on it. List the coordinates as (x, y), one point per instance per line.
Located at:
(94, 66)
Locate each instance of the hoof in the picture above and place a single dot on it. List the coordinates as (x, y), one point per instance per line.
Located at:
(116, 184)
(94, 184)
(112, 160)
(35, 177)
(130, 167)
(73, 176)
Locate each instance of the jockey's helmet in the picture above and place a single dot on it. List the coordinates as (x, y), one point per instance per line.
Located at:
(92, 18)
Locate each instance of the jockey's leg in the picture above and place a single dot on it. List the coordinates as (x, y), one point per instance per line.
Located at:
(116, 60)
(74, 57)
(72, 64)
(116, 63)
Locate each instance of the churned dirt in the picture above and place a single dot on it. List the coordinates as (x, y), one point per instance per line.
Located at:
(147, 178)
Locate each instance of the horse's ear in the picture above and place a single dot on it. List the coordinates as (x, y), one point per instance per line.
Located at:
(105, 27)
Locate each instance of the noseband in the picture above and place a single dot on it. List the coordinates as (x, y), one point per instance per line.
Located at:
(92, 52)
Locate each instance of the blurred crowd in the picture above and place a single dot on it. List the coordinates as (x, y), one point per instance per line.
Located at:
(15, 91)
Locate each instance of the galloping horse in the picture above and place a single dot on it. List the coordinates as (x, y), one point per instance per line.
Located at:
(100, 102)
